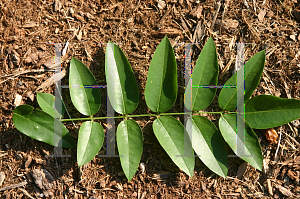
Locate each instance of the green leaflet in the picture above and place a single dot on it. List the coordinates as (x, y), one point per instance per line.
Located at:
(40, 126)
(46, 102)
(205, 73)
(90, 141)
(208, 144)
(130, 145)
(121, 85)
(267, 111)
(251, 146)
(86, 100)
(253, 70)
(174, 139)
(161, 87)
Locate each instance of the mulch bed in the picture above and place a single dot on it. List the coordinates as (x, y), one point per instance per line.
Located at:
(28, 31)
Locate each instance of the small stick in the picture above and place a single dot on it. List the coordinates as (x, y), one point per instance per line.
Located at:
(215, 15)
(278, 144)
(14, 186)
(26, 193)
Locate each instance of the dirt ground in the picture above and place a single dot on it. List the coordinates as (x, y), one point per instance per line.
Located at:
(28, 30)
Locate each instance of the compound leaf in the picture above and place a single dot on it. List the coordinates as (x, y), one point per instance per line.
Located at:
(174, 139)
(267, 111)
(130, 145)
(40, 126)
(205, 73)
(86, 100)
(161, 87)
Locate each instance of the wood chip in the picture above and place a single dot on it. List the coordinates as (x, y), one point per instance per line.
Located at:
(30, 25)
(15, 58)
(241, 170)
(270, 189)
(26, 193)
(44, 180)
(78, 17)
(18, 100)
(169, 31)
(261, 15)
(50, 81)
(161, 4)
(142, 167)
(198, 11)
(162, 175)
(57, 5)
(284, 191)
(2, 177)
(30, 95)
(28, 162)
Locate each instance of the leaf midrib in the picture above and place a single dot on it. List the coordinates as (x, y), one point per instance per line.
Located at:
(272, 110)
(162, 77)
(194, 99)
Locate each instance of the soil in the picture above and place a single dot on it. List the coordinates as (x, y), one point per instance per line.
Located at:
(28, 30)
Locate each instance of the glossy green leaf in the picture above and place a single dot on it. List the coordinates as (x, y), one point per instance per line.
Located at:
(130, 145)
(161, 87)
(46, 102)
(251, 151)
(90, 141)
(40, 126)
(205, 73)
(86, 100)
(122, 88)
(174, 139)
(208, 144)
(253, 70)
(267, 111)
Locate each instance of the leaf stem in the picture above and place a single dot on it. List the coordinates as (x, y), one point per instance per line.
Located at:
(143, 115)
